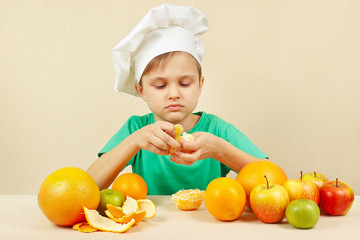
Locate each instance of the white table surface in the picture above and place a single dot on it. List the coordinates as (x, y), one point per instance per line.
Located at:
(21, 218)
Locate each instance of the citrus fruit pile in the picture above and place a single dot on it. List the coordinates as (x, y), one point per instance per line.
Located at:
(71, 197)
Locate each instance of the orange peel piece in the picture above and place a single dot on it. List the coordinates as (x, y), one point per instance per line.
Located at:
(148, 206)
(134, 209)
(115, 211)
(105, 224)
(84, 227)
(130, 205)
(137, 216)
(188, 199)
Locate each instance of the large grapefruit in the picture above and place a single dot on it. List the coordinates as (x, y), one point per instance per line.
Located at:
(65, 192)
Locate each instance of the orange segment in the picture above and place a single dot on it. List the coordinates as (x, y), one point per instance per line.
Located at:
(99, 222)
(188, 199)
(178, 130)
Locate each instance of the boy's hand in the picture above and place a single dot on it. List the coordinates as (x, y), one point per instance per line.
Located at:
(157, 138)
(205, 146)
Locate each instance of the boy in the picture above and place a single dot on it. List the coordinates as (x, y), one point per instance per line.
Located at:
(164, 70)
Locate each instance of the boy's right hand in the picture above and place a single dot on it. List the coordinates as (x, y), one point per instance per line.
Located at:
(158, 138)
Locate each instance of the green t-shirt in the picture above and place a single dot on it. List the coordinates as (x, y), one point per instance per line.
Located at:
(164, 177)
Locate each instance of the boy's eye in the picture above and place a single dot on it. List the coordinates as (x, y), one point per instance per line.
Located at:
(160, 86)
(184, 84)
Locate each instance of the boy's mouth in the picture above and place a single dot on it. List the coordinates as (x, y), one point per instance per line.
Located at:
(174, 107)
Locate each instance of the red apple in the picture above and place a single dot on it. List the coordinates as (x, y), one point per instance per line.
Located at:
(336, 197)
(317, 178)
(302, 189)
(269, 201)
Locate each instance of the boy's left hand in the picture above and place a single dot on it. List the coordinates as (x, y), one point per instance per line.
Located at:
(205, 146)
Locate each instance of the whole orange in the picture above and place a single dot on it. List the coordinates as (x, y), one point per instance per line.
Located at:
(253, 174)
(63, 194)
(131, 184)
(225, 198)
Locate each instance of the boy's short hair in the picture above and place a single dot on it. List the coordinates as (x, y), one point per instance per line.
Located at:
(157, 61)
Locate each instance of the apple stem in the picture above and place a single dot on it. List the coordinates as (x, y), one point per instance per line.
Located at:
(337, 182)
(314, 174)
(300, 175)
(267, 182)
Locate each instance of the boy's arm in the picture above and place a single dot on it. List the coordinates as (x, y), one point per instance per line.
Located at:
(208, 145)
(157, 138)
(233, 157)
(105, 169)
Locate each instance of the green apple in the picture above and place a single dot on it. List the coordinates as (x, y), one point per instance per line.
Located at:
(302, 213)
(109, 196)
(269, 201)
(317, 178)
(302, 189)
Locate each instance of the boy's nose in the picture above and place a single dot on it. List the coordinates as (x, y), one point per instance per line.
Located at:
(174, 92)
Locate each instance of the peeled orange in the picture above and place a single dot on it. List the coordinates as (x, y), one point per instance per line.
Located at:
(178, 137)
(63, 194)
(190, 199)
(131, 184)
(253, 174)
(225, 198)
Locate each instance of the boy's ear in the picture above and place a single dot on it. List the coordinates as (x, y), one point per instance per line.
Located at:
(201, 83)
(139, 90)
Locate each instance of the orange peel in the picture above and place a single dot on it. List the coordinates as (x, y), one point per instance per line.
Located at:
(134, 209)
(148, 206)
(187, 200)
(137, 216)
(84, 227)
(130, 205)
(105, 224)
(115, 211)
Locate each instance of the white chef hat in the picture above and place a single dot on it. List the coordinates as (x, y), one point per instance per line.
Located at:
(166, 28)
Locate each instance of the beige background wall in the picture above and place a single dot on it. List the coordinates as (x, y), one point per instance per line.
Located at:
(286, 73)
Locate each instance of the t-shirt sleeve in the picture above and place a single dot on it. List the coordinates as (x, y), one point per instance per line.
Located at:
(239, 140)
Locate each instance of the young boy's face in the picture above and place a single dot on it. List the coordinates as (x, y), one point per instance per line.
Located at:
(172, 89)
